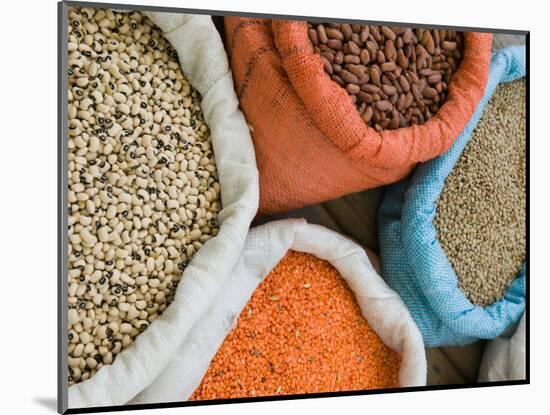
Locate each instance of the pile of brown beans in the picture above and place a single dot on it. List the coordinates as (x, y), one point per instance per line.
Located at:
(395, 76)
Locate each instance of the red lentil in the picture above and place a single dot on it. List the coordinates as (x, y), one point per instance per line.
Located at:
(301, 332)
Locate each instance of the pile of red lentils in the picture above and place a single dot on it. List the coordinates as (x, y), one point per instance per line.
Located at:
(301, 332)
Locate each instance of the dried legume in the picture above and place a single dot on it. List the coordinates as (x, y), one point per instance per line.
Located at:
(395, 76)
(143, 189)
(301, 332)
(480, 218)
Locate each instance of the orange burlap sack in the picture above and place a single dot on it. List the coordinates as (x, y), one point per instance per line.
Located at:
(311, 144)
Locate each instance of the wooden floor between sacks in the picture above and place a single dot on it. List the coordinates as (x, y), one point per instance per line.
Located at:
(355, 215)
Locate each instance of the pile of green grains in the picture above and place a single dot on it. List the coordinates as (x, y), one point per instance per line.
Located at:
(143, 193)
(481, 213)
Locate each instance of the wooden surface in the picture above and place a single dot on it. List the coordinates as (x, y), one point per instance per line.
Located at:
(355, 216)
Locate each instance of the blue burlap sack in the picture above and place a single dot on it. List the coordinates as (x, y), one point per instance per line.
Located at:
(413, 262)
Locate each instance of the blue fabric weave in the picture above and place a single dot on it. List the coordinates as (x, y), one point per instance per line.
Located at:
(413, 262)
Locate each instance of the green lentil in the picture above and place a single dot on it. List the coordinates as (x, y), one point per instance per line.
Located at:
(480, 218)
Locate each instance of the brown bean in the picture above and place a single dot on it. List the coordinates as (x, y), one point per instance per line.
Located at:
(408, 36)
(448, 46)
(334, 44)
(313, 37)
(428, 42)
(347, 31)
(415, 91)
(402, 59)
(398, 30)
(345, 49)
(329, 56)
(384, 105)
(434, 78)
(385, 78)
(333, 33)
(352, 88)
(401, 102)
(399, 43)
(357, 70)
(429, 92)
(352, 59)
(389, 89)
(437, 40)
(404, 83)
(422, 84)
(387, 66)
(373, 89)
(374, 74)
(348, 77)
(409, 99)
(322, 34)
(327, 65)
(339, 57)
(389, 50)
(364, 97)
(375, 33)
(353, 48)
(363, 79)
(395, 83)
(367, 115)
(372, 47)
(390, 34)
(364, 34)
(420, 62)
(364, 56)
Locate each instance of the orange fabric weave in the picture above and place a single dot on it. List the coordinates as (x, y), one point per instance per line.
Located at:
(310, 141)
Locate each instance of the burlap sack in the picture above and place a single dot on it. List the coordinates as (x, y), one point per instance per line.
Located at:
(311, 144)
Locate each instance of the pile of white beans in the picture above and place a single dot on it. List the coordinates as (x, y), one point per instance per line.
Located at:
(143, 189)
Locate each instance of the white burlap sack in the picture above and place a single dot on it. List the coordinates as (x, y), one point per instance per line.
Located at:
(204, 63)
(504, 357)
(265, 247)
